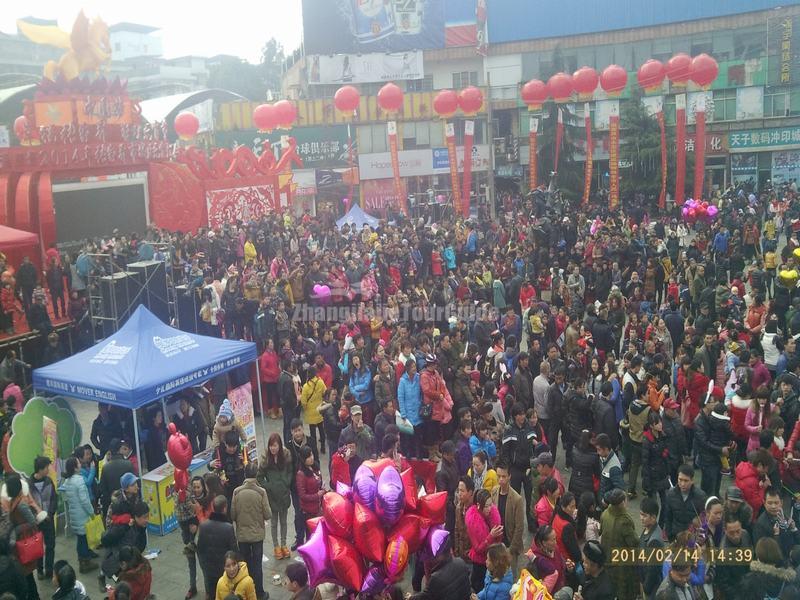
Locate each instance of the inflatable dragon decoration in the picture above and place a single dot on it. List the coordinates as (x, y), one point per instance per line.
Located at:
(87, 46)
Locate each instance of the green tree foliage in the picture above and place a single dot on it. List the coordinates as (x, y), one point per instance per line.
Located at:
(254, 82)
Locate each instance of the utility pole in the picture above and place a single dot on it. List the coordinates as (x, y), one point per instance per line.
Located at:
(490, 133)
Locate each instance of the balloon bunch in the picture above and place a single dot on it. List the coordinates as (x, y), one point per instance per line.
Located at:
(694, 211)
(367, 532)
(788, 278)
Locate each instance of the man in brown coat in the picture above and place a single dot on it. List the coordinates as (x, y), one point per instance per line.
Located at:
(512, 512)
(465, 492)
(249, 511)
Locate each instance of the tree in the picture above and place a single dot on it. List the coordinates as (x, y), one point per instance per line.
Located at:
(640, 146)
(272, 59)
(237, 75)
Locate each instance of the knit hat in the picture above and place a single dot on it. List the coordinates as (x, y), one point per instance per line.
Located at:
(594, 552)
(226, 410)
(127, 480)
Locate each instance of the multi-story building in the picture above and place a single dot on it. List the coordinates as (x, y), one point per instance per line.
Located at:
(428, 45)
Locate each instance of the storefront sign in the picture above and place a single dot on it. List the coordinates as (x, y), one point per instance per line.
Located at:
(415, 163)
(785, 166)
(744, 167)
(380, 194)
(365, 68)
(316, 146)
(305, 181)
(775, 138)
(784, 47)
(716, 143)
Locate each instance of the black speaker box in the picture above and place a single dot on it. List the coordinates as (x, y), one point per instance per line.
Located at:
(151, 275)
(188, 304)
(119, 292)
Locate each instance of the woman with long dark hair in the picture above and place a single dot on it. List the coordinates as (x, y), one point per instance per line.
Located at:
(308, 483)
(275, 476)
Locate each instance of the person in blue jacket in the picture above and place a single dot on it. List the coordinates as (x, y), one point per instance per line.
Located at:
(360, 379)
(409, 399)
(480, 440)
(498, 581)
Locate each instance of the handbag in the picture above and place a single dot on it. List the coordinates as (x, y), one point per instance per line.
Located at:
(30, 549)
(403, 424)
(94, 531)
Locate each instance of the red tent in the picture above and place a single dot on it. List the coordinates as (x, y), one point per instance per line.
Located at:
(11, 239)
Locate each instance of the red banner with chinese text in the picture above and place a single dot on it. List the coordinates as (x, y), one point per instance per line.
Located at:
(587, 170)
(469, 135)
(700, 147)
(662, 195)
(613, 162)
(450, 136)
(533, 166)
(680, 149)
(559, 139)
(398, 186)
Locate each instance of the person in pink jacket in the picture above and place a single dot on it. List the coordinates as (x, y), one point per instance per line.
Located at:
(435, 394)
(269, 371)
(484, 528)
(757, 417)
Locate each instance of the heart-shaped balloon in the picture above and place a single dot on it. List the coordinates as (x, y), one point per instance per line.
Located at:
(365, 486)
(411, 528)
(409, 488)
(396, 558)
(344, 490)
(434, 541)
(788, 278)
(338, 513)
(378, 466)
(390, 500)
(347, 563)
(374, 582)
(796, 254)
(368, 534)
(311, 524)
(433, 507)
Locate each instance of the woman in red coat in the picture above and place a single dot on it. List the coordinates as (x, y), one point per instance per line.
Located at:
(692, 390)
(269, 369)
(308, 482)
(134, 571)
(752, 478)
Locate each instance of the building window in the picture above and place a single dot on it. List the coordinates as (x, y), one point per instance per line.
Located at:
(724, 105)
(776, 103)
(464, 79)
(420, 85)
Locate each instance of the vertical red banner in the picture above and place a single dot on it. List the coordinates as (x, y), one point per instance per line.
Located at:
(466, 186)
(699, 147)
(351, 164)
(680, 150)
(398, 187)
(587, 171)
(613, 162)
(450, 136)
(559, 139)
(533, 157)
(662, 196)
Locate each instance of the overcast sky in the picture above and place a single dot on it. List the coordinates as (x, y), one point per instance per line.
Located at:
(202, 27)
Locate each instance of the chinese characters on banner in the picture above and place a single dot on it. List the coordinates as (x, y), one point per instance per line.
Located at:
(450, 135)
(773, 139)
(787, 31)
(559, 139)
(700, 147)
(241, 399)
(481, 20)
(533, 166)
(613, 161)
(587, 170)
(662, 195)
(680, 143)
(469, 133)
(398, 188)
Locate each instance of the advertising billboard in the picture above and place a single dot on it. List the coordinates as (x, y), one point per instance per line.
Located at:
(365, 68)
(357, 26)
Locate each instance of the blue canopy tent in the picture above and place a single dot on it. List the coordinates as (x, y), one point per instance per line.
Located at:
(143, 362)
(356, 216)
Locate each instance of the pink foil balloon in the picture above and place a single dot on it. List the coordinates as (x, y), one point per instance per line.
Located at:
(390, 498)
(316, 556)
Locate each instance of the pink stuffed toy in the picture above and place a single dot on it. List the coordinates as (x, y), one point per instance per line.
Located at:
(179, 451)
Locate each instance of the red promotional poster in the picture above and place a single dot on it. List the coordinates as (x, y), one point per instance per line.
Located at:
(680, 144)
(532, 154)
(587, 171)
(450, 135)
(613, 162)
(559, 139)
(240, 204)
(469, 135)
(398, 187)
(700, 147)
(662, 196)
(380, 195)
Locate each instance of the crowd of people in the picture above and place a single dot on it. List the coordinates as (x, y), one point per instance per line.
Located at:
(662, 353)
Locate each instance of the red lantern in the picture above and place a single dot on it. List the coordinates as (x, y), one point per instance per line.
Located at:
(560, 87)
(186, 125)
(390, 98)
(613, 80)
(534, 94)
(22, 129)
(470, 100)
(265, 117)
(286, 113)
(346, 99)
(651, 75)
(445, 103)
(679, 69)
(704, 70)
(585, 81)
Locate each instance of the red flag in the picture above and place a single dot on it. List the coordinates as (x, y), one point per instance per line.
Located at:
(680, 150)
(450, 135)
(469, 133)
(398, 186)
(587, 171)
(559, 138)
(699, 147)
(662, 196)
(613, 161)
(533, 167)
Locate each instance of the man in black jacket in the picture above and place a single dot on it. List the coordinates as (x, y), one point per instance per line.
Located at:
(518, 444)
(602, 332)
(215, 537)
(449, 577)
(44, 494)
(709, 454)
(674, 321)
(27, 277)
(523, 381)
(603, 416)
(579, 414)
(105, 428)
(684, 503)
(115, 467)
(555, 409)
(774, 524)
(288, 396)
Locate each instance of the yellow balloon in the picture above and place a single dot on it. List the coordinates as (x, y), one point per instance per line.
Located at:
(788, 278)
(796, 253)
